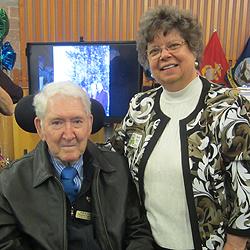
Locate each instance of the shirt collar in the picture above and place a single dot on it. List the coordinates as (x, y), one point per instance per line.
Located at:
(59, 166)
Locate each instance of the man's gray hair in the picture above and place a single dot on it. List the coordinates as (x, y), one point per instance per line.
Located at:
(66, 88)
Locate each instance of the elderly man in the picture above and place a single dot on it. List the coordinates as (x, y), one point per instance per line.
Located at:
(68, 193)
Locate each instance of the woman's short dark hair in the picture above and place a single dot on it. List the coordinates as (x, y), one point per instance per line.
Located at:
(164, 19)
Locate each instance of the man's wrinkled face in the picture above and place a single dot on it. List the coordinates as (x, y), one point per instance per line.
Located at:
(66, 127)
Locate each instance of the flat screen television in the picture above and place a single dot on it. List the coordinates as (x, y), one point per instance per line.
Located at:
(108, 71)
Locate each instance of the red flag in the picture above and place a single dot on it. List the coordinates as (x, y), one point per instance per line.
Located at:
(214, 64)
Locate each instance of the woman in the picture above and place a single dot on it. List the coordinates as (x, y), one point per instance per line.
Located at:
(6, 104)
(187, 142)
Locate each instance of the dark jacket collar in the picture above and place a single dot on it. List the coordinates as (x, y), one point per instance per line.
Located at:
(99, 159)
(43, 170)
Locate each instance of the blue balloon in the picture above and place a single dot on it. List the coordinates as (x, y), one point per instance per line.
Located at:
(8, 56)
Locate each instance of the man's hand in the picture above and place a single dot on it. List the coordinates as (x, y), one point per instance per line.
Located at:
(6, 104)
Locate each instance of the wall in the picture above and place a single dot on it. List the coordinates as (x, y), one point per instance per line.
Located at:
(6, 123)
(67, 20)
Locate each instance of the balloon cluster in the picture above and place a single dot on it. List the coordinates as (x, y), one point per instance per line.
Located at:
(7, 53)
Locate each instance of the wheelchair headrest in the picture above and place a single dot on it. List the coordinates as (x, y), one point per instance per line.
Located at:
(25, 114)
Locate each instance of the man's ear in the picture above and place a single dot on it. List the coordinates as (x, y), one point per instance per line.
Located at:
(90, 123)
(38, 125)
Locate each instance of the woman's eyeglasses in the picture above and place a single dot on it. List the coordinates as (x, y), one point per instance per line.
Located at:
(155, 52)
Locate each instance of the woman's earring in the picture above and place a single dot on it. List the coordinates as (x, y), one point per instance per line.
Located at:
(196, 64)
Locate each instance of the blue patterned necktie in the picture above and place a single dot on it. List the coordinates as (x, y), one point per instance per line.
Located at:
(67, 177)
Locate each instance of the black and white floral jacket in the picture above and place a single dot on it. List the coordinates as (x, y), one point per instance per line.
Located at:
(215, 144)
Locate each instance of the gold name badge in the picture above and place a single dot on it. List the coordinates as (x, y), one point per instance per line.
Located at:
(83, 215)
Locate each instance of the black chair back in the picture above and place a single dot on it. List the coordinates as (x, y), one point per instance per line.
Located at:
(25, 114)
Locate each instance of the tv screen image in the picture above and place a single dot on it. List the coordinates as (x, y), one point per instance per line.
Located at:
(108, 71)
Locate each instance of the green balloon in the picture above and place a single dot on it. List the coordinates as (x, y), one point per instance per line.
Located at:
(4, 24)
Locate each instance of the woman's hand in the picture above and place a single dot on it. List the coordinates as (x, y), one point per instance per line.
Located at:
(235, 242)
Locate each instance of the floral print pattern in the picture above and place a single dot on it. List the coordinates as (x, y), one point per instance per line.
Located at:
(217, 138)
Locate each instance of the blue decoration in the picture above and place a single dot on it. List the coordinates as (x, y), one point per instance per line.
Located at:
(8, 56)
